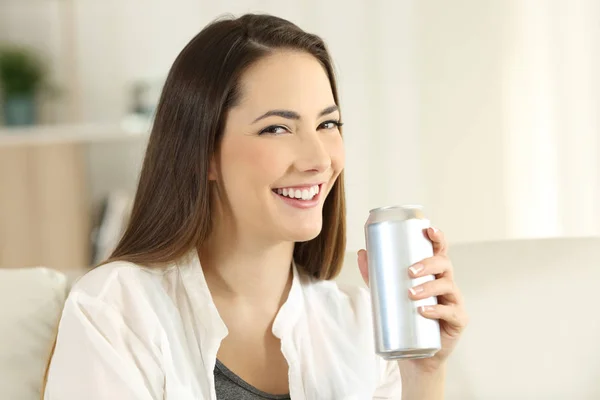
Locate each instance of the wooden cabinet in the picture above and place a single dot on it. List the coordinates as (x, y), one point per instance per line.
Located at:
(52, 182)
(44, 213)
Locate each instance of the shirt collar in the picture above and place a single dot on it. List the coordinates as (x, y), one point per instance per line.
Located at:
(291, 310)
(212, 323)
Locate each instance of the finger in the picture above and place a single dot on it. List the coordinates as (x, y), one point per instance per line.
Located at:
(363, 265)
(437, 237)
(438, 287)
(453, 315)
(435, 265)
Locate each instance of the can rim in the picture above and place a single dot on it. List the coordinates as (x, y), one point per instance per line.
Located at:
(404, 207)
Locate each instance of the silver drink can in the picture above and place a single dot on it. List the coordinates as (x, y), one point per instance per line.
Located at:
(396, 238)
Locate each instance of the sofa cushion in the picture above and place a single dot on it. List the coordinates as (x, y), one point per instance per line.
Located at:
(31, 300)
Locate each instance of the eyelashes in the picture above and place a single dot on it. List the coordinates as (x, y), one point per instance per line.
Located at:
(282, 129)
(274, 130)
(336, 124)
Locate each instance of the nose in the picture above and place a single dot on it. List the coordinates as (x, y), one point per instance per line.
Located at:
(313, 155)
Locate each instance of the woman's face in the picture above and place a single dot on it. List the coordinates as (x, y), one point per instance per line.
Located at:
(281, 150)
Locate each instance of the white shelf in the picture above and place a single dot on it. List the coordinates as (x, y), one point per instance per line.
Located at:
(76, 133)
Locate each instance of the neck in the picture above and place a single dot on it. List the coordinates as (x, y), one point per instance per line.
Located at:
(242, 268)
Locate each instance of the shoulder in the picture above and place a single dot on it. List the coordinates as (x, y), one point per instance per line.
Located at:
(122, 297)
(123, 286)
(102, 280)
(345, 303)
(107, 326)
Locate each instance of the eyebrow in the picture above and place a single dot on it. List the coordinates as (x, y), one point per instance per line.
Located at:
(292, 114)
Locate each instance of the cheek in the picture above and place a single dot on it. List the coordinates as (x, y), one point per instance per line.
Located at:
(246, 163)
(337, 153)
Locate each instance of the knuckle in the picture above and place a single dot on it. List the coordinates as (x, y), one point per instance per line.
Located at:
(439, 258)
(455, 316)
(442, 262)
(453, 287)
(448, 285)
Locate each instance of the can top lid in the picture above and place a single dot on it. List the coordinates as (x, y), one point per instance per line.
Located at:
(403, 207)
(403, 212)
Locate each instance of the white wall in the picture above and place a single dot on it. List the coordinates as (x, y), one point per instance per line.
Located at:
(535, 326)
(509, 117)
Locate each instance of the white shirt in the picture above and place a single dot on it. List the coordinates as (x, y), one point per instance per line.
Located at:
(129, 332)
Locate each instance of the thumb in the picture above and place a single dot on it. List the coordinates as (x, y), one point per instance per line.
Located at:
(363, 265)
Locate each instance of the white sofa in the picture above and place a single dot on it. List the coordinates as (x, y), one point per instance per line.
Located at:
(31, 300)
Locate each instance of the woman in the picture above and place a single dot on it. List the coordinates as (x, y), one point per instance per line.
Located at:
(220, 285)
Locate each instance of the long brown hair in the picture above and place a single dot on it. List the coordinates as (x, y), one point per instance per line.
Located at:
(172, 209)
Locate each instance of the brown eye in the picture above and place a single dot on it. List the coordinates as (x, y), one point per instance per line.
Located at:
(274, 130)
(332, 124)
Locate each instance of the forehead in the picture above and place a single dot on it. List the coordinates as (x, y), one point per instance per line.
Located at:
(286, 80)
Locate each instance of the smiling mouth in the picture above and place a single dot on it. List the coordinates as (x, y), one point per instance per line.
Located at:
(300, 193)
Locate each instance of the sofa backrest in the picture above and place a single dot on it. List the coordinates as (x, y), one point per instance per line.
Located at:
(31, 300)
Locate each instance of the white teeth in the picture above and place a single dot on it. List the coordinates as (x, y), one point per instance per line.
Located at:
(304, 194)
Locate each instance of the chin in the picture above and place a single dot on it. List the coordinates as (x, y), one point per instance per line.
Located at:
(304, 234)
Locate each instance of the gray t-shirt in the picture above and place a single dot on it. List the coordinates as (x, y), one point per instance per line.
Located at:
(229, 386)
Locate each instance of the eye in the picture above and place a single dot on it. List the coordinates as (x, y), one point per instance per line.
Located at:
(331, 124)
(274, 130)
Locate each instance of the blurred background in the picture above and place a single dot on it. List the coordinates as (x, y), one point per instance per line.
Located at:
(485, 111)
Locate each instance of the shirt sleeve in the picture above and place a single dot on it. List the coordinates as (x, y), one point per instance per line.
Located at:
(98, 356)
(390, 386)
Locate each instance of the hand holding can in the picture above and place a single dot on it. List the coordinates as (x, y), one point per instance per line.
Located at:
(409, 286)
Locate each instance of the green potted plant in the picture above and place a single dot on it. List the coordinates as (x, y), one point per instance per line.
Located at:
(21, 77)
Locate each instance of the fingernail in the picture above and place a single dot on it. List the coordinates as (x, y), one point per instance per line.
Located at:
(415, 290)
(426, 309)
(415, 269)
(434, 229)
